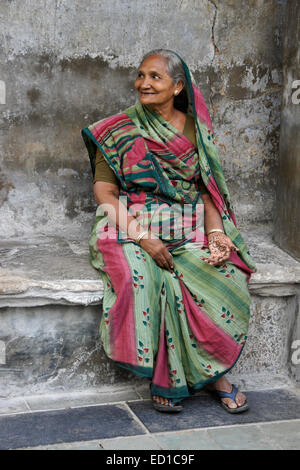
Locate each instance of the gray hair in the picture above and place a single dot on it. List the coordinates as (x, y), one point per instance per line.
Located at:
(174, 65)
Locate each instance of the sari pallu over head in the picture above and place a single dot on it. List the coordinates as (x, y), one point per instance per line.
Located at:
(156, 164)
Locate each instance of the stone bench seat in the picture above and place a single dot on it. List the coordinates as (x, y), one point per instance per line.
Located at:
(50, 307)
(57, 271)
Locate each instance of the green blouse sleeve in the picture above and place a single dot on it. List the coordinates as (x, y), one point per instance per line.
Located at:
(103, 172)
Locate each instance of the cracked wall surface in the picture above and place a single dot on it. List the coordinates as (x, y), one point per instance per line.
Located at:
(67, 63)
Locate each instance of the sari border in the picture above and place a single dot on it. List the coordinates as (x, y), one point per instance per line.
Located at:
(178, 393)
(87, 134)
(145, 372)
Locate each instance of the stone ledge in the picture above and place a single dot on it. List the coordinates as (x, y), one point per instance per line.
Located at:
(39, 272)
(28, 293)
(22, 292)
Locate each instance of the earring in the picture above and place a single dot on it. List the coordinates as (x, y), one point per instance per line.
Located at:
(176, 92)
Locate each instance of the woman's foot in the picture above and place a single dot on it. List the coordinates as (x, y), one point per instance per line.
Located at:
(222, 385)
(165, 405)
(161, 400)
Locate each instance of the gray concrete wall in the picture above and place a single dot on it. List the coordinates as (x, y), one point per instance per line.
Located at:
(52, 349)
(287, 220)
(68, 63)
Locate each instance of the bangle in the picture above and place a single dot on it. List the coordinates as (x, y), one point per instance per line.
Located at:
(215, 230)
(140, 236)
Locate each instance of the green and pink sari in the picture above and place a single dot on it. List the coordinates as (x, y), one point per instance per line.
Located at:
(185, 328)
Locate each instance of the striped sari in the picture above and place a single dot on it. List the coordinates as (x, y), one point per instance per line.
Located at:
(185, 328)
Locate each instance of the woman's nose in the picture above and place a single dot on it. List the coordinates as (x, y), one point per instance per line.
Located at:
(146, 83)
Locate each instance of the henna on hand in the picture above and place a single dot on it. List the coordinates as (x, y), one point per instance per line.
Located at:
(220, 247)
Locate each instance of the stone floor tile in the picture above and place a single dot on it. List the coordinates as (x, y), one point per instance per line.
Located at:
(241, 438)
(12, 405)
(130, 443)
(191, 440)
(83, 445)
(60, 426)
(63, 401)
(205, 411)
(286, 433)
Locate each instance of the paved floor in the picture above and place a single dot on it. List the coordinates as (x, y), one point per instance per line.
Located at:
(126, 420)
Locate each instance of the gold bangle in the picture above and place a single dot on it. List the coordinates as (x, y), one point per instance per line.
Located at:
(215, 230)
(140, 236)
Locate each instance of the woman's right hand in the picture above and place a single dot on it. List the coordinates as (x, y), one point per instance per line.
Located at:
(158, 251)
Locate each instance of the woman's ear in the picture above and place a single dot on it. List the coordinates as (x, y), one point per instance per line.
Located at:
(181, 100)
(179, 87)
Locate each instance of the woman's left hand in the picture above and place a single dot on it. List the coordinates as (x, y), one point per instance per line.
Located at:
(220, 247)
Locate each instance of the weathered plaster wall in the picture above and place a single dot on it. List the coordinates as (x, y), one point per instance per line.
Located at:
(68, 63)
(287, 220)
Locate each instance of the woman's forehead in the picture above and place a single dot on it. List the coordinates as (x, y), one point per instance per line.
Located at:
(155, 63)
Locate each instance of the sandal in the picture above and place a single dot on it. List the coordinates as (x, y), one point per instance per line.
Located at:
(232, 395)
(172, 408)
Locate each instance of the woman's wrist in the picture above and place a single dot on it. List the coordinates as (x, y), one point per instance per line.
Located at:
(141, 235)
(215, 230)
(135, 230)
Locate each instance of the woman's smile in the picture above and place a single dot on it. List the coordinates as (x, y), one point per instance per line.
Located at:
(147, 96)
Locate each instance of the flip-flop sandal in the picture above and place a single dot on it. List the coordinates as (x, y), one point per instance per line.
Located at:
(232, 395)
(172, 408)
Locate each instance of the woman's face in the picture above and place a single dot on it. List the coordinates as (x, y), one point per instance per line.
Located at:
(153, 84)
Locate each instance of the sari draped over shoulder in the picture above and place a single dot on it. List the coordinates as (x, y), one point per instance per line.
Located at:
(185, 328)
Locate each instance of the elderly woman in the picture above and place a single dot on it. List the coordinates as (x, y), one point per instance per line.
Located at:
(174, 266)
